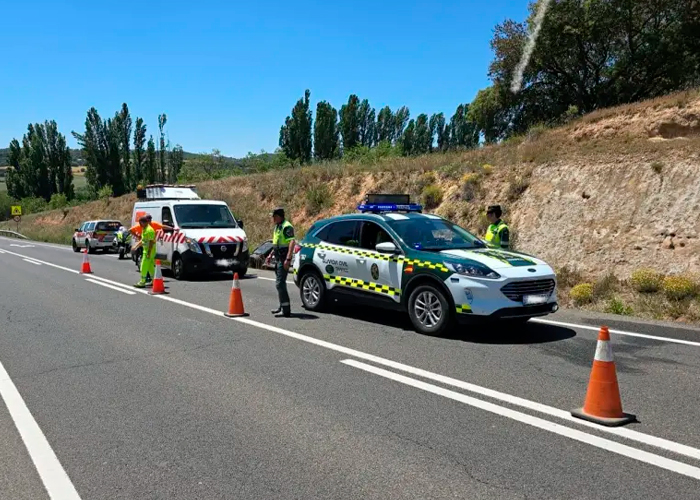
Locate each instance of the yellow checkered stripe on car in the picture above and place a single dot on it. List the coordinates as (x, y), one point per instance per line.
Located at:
(375, 255)
(463, 308)
(364, 285)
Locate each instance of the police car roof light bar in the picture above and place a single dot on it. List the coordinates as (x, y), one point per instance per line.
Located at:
(378, 203)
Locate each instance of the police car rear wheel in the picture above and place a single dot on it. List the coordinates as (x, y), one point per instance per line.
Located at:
(313, 292)
(429, 310)
(75, 246)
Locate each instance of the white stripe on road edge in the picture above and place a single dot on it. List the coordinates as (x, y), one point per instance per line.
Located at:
(616, 332)
(57, 483)
(32, 262)
(626, 433)
(107, 285)
(583, 437)
(44, 262)
(59, 247)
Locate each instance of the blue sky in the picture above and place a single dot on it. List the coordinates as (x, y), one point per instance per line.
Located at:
(227, 73)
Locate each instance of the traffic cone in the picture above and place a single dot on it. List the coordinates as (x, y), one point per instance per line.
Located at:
(235, 301)
(158, 286)
(603, 404)
(85, 268)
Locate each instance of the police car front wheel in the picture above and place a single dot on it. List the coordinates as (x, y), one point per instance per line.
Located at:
(312, 291)
(429, 310)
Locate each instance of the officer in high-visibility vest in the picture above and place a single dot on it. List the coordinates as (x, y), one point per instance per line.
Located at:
(497, 234)
(283, 246)
(148, 258)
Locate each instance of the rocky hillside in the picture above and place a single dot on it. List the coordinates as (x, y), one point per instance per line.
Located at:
(616, 190)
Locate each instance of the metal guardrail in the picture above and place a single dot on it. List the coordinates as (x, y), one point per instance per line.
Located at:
(12, 234)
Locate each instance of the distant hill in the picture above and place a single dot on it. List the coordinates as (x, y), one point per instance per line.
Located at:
(79, 161)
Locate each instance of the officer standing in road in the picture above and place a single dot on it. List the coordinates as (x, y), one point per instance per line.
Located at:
(497, 234)
(283, 246)
(148, 241)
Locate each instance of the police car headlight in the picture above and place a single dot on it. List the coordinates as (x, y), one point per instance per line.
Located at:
(193, 246)
(473, 270)
(244, 247)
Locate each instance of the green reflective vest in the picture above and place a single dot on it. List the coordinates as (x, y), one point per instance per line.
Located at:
(498, 235)
(149, 234)
(283, 234)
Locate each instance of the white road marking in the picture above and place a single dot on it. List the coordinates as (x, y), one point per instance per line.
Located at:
(59, 247)
(616, 332)
(273, 279)
(583, 437)
(32, 262)
(57, 483)
(44, 262)
(22, 246)
(514, 400)
(2, 251)
(107, 285)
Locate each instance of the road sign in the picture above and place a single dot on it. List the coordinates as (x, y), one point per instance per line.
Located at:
(16, 210)
(17, 218)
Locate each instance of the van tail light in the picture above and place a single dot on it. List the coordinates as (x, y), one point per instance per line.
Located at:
(297, 248)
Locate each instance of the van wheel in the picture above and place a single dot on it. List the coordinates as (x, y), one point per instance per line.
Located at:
(74, 244)
(178, 268)
(429, 310)
(89, 248)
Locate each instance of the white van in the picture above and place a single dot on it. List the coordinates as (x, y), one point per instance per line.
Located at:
(206, 236)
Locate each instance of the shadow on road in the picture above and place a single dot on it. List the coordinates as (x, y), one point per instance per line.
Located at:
(480, 332)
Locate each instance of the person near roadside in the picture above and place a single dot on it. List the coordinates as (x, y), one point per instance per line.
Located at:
(498, 233)
(283, 247)
(148, 257)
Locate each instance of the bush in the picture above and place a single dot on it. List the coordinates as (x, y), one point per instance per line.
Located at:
(318, 198)
(33, 205)
(470, 186)
(516, 187)
(617, 306)
(567, 278)
(679, 287)
(605, 286)
(431, 196)
(58, 201)
(487, 169)
(657, 167)
(646, 280)
(582, 294)
(105, 192)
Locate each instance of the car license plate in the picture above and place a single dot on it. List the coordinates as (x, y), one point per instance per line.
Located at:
(530, 300)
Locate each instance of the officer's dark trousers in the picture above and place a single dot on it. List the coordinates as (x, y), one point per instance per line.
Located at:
(281, 285)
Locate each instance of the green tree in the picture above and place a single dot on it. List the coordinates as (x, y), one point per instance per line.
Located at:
(125, 125)
(439, 131)
(422, 137)
(401, 118)
(295, 134)
(151, 171)
(162, 120)
(139, 150)
(366, 130)
(15, 180)
(326, 139)
(176, 160)
(487, 114)
(349, 122)
(408, 139)
(385, 125)
(465, 134)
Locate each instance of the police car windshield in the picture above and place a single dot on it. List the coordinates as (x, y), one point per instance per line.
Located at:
(423, 233)
(204, 216)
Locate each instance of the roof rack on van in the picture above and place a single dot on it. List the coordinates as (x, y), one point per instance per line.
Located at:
(167, 192)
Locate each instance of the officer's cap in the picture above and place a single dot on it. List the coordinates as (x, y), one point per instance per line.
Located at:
(278, 211)
(494, 209)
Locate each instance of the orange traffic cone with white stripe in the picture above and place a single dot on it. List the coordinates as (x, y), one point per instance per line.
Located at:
(85, 268)
(235, 301)
(158, 285)
(603, 404)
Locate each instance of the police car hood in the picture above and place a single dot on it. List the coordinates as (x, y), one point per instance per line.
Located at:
(493, 258)
(215, 235)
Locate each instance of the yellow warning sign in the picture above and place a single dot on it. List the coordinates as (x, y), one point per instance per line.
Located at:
(16, 210)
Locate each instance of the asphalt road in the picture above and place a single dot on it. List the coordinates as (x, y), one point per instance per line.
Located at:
(112, 393)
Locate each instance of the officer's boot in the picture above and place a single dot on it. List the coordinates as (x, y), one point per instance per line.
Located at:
(285, 311)
(276, 311)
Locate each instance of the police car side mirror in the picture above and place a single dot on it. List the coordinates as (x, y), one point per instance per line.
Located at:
(77, 229)
(387, 247)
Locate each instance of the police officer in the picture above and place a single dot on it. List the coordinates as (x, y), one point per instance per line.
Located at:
(283, 246)
(148, 241)
(497, 234)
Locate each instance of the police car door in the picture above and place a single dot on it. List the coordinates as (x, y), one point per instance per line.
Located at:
(382, 271)
(335, 258)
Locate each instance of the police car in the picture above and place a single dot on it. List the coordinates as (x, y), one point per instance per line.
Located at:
(391, 254)
(96, 235)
